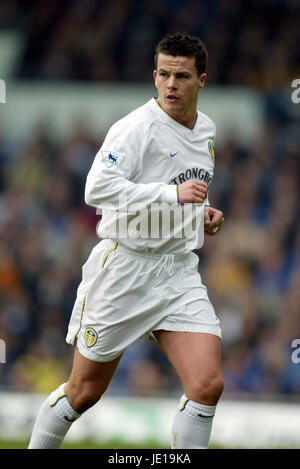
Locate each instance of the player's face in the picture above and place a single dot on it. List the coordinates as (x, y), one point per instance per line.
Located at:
(178, 84)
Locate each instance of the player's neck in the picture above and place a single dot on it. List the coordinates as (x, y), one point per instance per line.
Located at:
(188, 120)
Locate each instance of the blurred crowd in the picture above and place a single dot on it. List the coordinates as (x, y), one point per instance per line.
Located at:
(252, 268)
(114, 40)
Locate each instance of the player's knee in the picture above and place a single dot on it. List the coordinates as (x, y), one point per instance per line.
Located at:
(83, 395)
(218, 386)
(207, 390)
(214, 388)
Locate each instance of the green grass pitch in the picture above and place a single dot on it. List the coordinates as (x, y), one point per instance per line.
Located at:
(89, 444)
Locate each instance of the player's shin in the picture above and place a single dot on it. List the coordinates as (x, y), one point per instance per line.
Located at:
(53, 421)
(192, 425)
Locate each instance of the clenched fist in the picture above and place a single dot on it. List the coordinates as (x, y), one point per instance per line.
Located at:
(213, 220)
(192, 192)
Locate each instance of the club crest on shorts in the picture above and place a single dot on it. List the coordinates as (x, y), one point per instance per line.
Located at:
(110, 159)
(211, 149)
(90, 337)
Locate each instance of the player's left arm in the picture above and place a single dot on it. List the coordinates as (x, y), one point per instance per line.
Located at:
(213, 220)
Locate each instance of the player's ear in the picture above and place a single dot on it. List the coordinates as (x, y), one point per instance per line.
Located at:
(154, 74)
(202, 79)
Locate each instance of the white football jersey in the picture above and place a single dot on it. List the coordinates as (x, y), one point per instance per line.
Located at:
(135, 176)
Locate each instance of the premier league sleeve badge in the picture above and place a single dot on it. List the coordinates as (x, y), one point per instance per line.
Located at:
(110, 159)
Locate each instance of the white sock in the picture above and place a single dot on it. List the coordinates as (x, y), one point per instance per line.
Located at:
(192, 424)
(53, 421)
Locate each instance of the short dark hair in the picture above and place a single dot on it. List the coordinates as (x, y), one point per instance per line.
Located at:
(184, 45)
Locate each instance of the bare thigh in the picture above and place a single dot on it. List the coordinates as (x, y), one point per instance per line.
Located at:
(88, 381)
(196, 358)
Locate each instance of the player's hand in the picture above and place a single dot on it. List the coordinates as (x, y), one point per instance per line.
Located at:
(213, 220)
(192, 191)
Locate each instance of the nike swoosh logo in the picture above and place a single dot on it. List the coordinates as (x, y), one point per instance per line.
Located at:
(206, 416)
(173, 154)
(69, 420)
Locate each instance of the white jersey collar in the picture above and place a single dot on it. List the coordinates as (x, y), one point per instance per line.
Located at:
(173, 122)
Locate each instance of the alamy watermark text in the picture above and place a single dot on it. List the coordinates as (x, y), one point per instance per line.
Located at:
(2, 91)
(296, 353)
(2, 351)
(296, 93)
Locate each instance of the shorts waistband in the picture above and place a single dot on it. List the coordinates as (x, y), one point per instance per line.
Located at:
(152, 255)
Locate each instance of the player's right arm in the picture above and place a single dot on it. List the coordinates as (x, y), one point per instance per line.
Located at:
(110, 185)
(192, 191)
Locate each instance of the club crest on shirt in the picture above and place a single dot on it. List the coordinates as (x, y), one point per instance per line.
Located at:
(90, 337)
(211, 149)
(110, 159)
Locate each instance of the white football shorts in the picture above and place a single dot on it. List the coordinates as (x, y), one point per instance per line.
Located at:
(125, 295)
